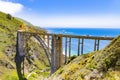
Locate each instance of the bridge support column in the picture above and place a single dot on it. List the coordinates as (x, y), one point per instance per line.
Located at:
(96, 45)
(82, 46)
(78, 46)
(66, 50)
(53, 55)
(56, 55)
(58, 52)
(69, 47)
(20, 53)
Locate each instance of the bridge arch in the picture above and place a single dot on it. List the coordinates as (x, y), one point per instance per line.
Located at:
(21, 51)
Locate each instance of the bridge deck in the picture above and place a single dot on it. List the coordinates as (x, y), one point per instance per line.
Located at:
(74, 36)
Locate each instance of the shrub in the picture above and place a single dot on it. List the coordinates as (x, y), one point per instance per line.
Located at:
(9, 16)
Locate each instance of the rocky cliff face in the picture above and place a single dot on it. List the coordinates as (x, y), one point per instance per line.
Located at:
(98, 65)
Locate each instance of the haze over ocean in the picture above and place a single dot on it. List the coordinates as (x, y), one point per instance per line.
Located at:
(88, 44)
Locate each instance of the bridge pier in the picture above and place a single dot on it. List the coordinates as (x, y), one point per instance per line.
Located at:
(66, 50)
(82, 45)
(20, 53)
(78, 46)
(96, 45)
(69, 46)
(56, 53)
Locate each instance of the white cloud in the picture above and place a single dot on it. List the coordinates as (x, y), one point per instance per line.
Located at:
(10, 7)
(103, 21)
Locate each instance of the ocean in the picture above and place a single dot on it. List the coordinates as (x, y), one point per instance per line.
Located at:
(88, 44)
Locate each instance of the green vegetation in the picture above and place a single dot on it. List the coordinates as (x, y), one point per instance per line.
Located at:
(71, 58)
(98, 65)
(36, 63)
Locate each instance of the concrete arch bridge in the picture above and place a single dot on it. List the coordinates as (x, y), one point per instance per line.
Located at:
(53, 47)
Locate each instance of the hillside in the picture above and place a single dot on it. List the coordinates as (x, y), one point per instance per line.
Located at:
(35, 62)
(99, 65)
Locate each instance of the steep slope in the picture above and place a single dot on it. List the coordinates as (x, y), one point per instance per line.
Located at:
(99, 65)
(24, 21)
(35, 61)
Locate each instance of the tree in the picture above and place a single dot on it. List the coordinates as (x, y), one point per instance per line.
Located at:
(9, 16)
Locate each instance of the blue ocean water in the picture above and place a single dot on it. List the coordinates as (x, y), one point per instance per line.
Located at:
(86, 31)
(88, 44)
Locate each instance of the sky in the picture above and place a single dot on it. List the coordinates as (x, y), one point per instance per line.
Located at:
(66, 13)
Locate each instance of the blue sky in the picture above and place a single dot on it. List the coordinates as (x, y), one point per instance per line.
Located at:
(68, 13)
(72, 6)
